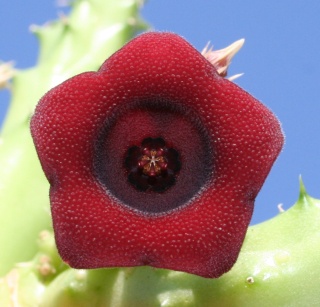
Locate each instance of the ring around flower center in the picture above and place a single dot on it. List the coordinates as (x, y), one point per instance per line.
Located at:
(153, 155)
(152, 166)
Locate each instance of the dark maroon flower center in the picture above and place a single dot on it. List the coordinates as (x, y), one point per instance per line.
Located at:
(152, 166)
(153, 155)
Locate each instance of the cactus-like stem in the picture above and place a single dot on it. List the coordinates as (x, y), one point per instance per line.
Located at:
(277, 267)
(80, 42)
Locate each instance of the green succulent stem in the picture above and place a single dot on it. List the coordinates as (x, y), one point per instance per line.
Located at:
(279, 261)
(276, 267)
(80, 42)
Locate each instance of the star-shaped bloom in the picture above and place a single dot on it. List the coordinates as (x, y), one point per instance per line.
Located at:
(154, 160)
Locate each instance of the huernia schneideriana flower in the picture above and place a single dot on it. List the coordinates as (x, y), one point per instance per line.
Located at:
(154, 160)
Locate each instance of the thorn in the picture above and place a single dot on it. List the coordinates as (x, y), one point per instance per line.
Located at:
(45, 268)
(132, 21)
(302, 186)
(305, 201)
(140, 3)
(250, 280)
(280, 208)
(34, 28)
(63, 18)
(221, 59)
(12, 280)
(234, 77)
(6, 73)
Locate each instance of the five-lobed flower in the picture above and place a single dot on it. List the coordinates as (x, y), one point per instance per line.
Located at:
(154, 160)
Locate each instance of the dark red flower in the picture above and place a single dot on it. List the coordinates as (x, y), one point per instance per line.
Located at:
(153, 160)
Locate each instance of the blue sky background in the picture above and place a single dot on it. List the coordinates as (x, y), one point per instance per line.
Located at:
(280, 60)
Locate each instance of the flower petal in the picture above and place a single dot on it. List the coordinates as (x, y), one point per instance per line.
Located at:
(157, 86)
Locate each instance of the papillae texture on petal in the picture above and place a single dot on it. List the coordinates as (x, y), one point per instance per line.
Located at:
(157, 86)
